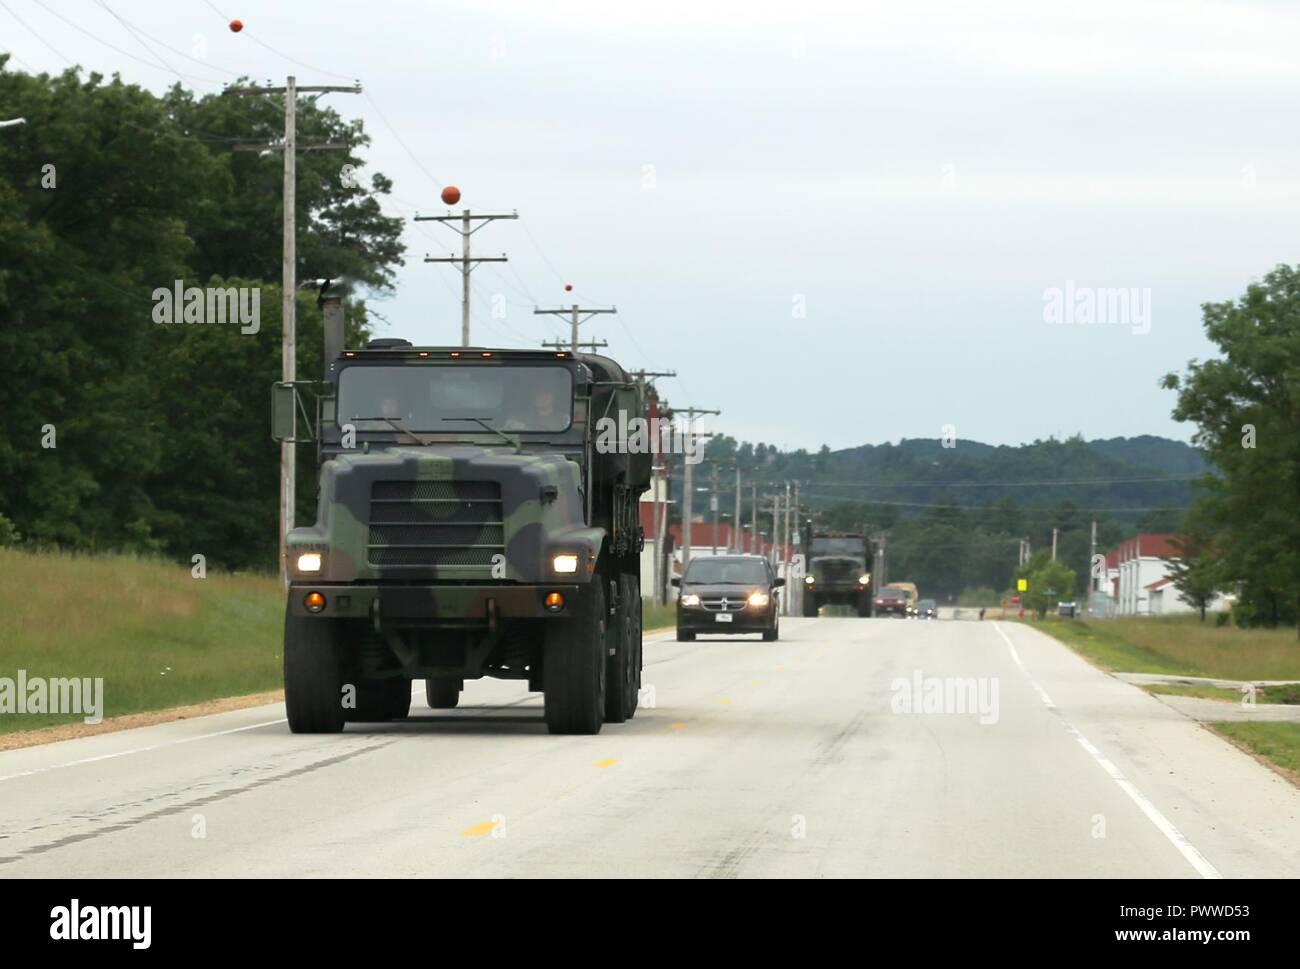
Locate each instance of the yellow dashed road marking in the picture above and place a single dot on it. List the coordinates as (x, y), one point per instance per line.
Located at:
(676, 726)
(607, 762)
(478, 830)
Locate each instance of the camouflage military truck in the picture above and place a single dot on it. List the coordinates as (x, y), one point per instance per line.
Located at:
(837, 571)
(470, 524)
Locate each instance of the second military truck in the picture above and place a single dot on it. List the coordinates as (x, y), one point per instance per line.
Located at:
(476, 518)
(837, 571)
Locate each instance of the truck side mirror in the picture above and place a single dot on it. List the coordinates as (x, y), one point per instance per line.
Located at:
(284, 411)
(675, 581)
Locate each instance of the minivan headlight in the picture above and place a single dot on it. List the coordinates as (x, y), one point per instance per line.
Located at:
(690, 599)
(758, 599)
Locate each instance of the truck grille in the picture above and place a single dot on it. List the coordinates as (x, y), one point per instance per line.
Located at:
(435, 524)
(725, 604)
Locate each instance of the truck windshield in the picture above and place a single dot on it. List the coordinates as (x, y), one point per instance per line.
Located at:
(444, 398)
(726, 572)
(837, 546)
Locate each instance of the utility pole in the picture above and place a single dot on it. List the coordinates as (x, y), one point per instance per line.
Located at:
(786, 598)
(558, 344)
(785, 551)
(466, 229)
(776, 528)
(736, 532)
(688, 497)
(755, 545)
(713, 503)
(1053, 544)
(289, 268)
(576, 319)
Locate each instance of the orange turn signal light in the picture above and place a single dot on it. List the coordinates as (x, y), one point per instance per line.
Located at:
(554, 601)
(314, 602)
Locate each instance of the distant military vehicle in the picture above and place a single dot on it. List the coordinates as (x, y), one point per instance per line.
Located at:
(470, 524)
(837, 571)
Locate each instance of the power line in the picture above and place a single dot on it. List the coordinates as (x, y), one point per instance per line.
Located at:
(32, 31)
(125, 53)
(279, 53)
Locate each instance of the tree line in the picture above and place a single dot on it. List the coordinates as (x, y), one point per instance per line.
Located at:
(121, 433)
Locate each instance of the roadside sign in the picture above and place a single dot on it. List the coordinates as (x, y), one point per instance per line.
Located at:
(1022, 585)
(1015, 600)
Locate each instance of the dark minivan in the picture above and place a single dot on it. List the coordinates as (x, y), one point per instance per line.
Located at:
(728, 594)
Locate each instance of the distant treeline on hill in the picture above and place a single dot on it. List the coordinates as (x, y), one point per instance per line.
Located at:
(954, 516)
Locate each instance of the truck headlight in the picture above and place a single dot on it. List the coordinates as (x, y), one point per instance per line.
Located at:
(758, 599)
(864, 578)
(565, 563)
(808, 580)
(309, 562)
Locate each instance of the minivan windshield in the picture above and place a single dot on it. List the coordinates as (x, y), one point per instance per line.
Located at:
(719, 571)
(452, 397)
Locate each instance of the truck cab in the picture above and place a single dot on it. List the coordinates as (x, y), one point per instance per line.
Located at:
(472, 521)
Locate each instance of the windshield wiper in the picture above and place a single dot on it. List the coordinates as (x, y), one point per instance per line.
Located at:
(398, 426)
(482, 422)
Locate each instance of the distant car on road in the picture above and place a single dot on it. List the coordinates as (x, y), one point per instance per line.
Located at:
(1066, 609)
(895, 600)
(927, 609)
(727, 594)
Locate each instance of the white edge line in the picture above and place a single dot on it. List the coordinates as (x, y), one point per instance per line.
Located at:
(1162, 823)
(139, 750)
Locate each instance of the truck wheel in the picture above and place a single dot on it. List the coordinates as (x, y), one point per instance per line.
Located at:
(685, 637)
(379, 700)
(313, 681)
(442, 694)
(573, 667)
(864, 608)
(809, 605)
(623, 666)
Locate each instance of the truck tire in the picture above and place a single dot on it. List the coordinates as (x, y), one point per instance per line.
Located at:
(573, 667)
(313, 680)
(379, 700)
(623, 662)
(809, 605)
(442, 694)
(864, 607)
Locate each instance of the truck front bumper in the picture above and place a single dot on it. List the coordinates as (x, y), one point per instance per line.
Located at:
(423, 603)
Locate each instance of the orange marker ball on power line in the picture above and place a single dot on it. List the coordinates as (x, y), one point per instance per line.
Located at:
(568, 287)
(236, 26)
(451, 195)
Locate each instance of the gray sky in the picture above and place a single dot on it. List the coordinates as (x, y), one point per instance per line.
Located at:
(914, 176)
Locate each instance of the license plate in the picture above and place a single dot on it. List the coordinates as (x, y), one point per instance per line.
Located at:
(724, 617)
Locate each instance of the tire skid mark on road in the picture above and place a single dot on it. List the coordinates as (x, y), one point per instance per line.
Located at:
(1166, 827)
(101, 830)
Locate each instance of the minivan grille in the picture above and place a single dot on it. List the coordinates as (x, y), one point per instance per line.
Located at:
(435, 524)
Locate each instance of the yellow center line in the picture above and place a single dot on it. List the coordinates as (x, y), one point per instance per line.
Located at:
(607, 762)
(677, 726)
(478, 830)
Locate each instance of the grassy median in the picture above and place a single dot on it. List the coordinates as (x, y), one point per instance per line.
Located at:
(158, 637)
(1181, 646)
(1278, 743)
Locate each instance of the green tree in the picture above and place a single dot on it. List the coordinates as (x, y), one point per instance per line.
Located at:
(1246, 406)
(1196, 571)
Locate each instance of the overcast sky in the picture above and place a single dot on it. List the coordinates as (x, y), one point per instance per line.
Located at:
(839, 222)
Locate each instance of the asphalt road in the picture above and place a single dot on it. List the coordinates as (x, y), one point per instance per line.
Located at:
(813, 756)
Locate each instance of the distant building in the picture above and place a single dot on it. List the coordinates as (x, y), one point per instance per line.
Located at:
(1138, 580)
